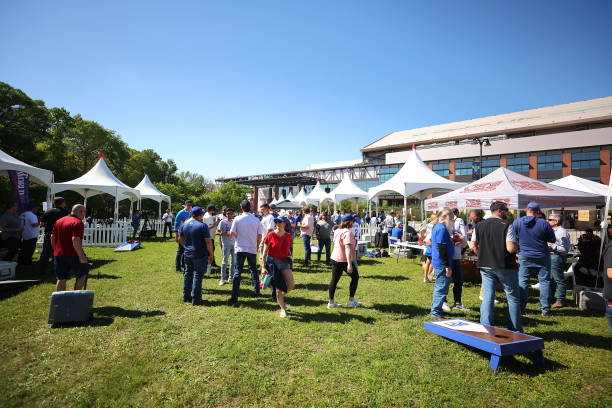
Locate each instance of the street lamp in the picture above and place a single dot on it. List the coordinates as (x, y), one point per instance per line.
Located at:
(481, 142)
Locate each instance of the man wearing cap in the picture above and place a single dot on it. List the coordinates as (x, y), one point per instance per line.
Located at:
(29, 236)
(534, 234)
(247, 231)
(180, 218)
(307, 229)
(324, 229)
(558, 256)
(48, 220)
(494, 241)
(211, 220)
(194, 237)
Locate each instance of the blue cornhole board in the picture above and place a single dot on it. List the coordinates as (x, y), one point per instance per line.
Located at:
(127, 246)
(499, 342)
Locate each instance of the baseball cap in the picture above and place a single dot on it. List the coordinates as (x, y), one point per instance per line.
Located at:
(280, 219)
(211, 207)
(348, 217)
(197, 211)
(534, 206)
(188, 202)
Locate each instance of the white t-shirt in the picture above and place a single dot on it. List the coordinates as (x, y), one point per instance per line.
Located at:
(29, 231)
(247, 227)
(267, 223)
(167, 217)
(461, 230)
(210, 220)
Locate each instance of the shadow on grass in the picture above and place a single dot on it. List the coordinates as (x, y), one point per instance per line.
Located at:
(328, 317)
(576, 338)
(517, 366)
(368, 261)
(105, 316)
(312, 286)
(407, 311)
(385, 277)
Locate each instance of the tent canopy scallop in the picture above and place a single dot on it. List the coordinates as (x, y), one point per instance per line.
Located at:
(37, 175)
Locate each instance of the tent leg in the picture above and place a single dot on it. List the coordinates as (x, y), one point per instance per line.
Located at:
(405, 211)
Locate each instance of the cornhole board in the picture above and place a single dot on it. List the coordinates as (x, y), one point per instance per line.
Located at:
(499, 342)
(127, 246)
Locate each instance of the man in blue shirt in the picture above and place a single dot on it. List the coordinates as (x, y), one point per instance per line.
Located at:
(194, 237)
(442, 260)
(534, 234)
(135, 223)
(180, 218)
(397, 231)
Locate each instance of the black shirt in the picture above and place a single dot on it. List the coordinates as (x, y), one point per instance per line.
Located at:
(51, 216)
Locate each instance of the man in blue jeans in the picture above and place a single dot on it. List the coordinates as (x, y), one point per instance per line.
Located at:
(534, 234)
(558, 257)
(194, 237)
(306, 231)
(181, 217)
(441, 260)
(494, 241)
(247, 230)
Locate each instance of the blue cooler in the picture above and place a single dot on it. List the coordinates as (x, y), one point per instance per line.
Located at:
(71, 306)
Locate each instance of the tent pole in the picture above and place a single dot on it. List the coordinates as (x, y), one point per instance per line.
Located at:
(405, 211)
(159, 210)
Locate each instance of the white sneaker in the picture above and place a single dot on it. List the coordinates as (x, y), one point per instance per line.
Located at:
(446, 307)
(425, 280)
(221, 282)
(283, 313)
(459, 306)
(353, 303)
(536, 286)
(333, 305)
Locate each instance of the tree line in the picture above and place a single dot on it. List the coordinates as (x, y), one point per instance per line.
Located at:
(69, 145)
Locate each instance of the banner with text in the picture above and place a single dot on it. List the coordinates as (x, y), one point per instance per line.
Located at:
(21, 188)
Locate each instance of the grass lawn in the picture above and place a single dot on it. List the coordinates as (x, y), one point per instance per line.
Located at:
(144, 347)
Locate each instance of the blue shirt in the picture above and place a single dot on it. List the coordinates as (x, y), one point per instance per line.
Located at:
(195, 233)
(533, 235)
(181, 217)
(440, 235)
(135, 221)
(397, 232)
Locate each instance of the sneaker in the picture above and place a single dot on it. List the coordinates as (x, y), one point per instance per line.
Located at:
(495, 301)
(557, 304)
(425, 280)
(446, 307)
(333, 305)
(353, 303)
(221, 282)
(536, 286)
(546, 314)
(283, 313)
(459, 306)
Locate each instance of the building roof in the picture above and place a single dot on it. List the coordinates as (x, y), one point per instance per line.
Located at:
(592, 110)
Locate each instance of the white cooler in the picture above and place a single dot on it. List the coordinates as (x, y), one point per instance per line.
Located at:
(7, 270)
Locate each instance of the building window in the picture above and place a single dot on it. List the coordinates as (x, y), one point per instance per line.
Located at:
(550, 162)
(585, 160)
(518, 164)
(441, 169)
(386, 173)
(489, 166)
(463, 169)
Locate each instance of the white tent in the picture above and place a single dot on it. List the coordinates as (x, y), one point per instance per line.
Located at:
(581, 184)
(96, 181)
(346, 190)
(37, 175)
(316, 195)
(414, 179)
(290, 197)
(148, 190)
(300, 198)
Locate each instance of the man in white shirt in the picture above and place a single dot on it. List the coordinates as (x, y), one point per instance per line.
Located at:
(248, 231)
(307, 229)
(211, 220)
(167, 219)
(31, 226)
(459, 240)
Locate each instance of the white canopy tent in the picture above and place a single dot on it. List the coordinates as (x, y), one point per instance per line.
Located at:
(414, 179)
(316, 195)
(148, 190)
(96, 181)
(37, 175)
(581, 184)
(300, 198)
(346, 190)
(290, 197)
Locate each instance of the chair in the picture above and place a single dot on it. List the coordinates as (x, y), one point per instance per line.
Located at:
(396, 249)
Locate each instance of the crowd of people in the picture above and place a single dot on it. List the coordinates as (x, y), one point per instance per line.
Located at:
(508, 253)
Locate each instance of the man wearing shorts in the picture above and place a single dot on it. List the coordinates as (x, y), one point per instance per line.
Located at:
(67, 243)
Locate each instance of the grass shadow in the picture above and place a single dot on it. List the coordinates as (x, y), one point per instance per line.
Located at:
(408, 311)
(319, 287)
(329, 317)
(115, 311)
(517, 366)
(385, 277)
(577, 338)
(368, 261)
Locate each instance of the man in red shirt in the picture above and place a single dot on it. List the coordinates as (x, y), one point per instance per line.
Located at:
(67, 243)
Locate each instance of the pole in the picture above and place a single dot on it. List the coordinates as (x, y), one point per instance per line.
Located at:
(404, 226)
(480, 164)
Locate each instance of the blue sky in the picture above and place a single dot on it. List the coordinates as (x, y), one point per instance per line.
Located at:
(245, 87)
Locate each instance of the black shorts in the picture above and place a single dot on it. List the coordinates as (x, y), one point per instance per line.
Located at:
(425, 258)
(63, 265)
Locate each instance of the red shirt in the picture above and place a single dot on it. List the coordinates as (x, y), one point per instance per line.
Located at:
(278, 247)
(64, 229)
